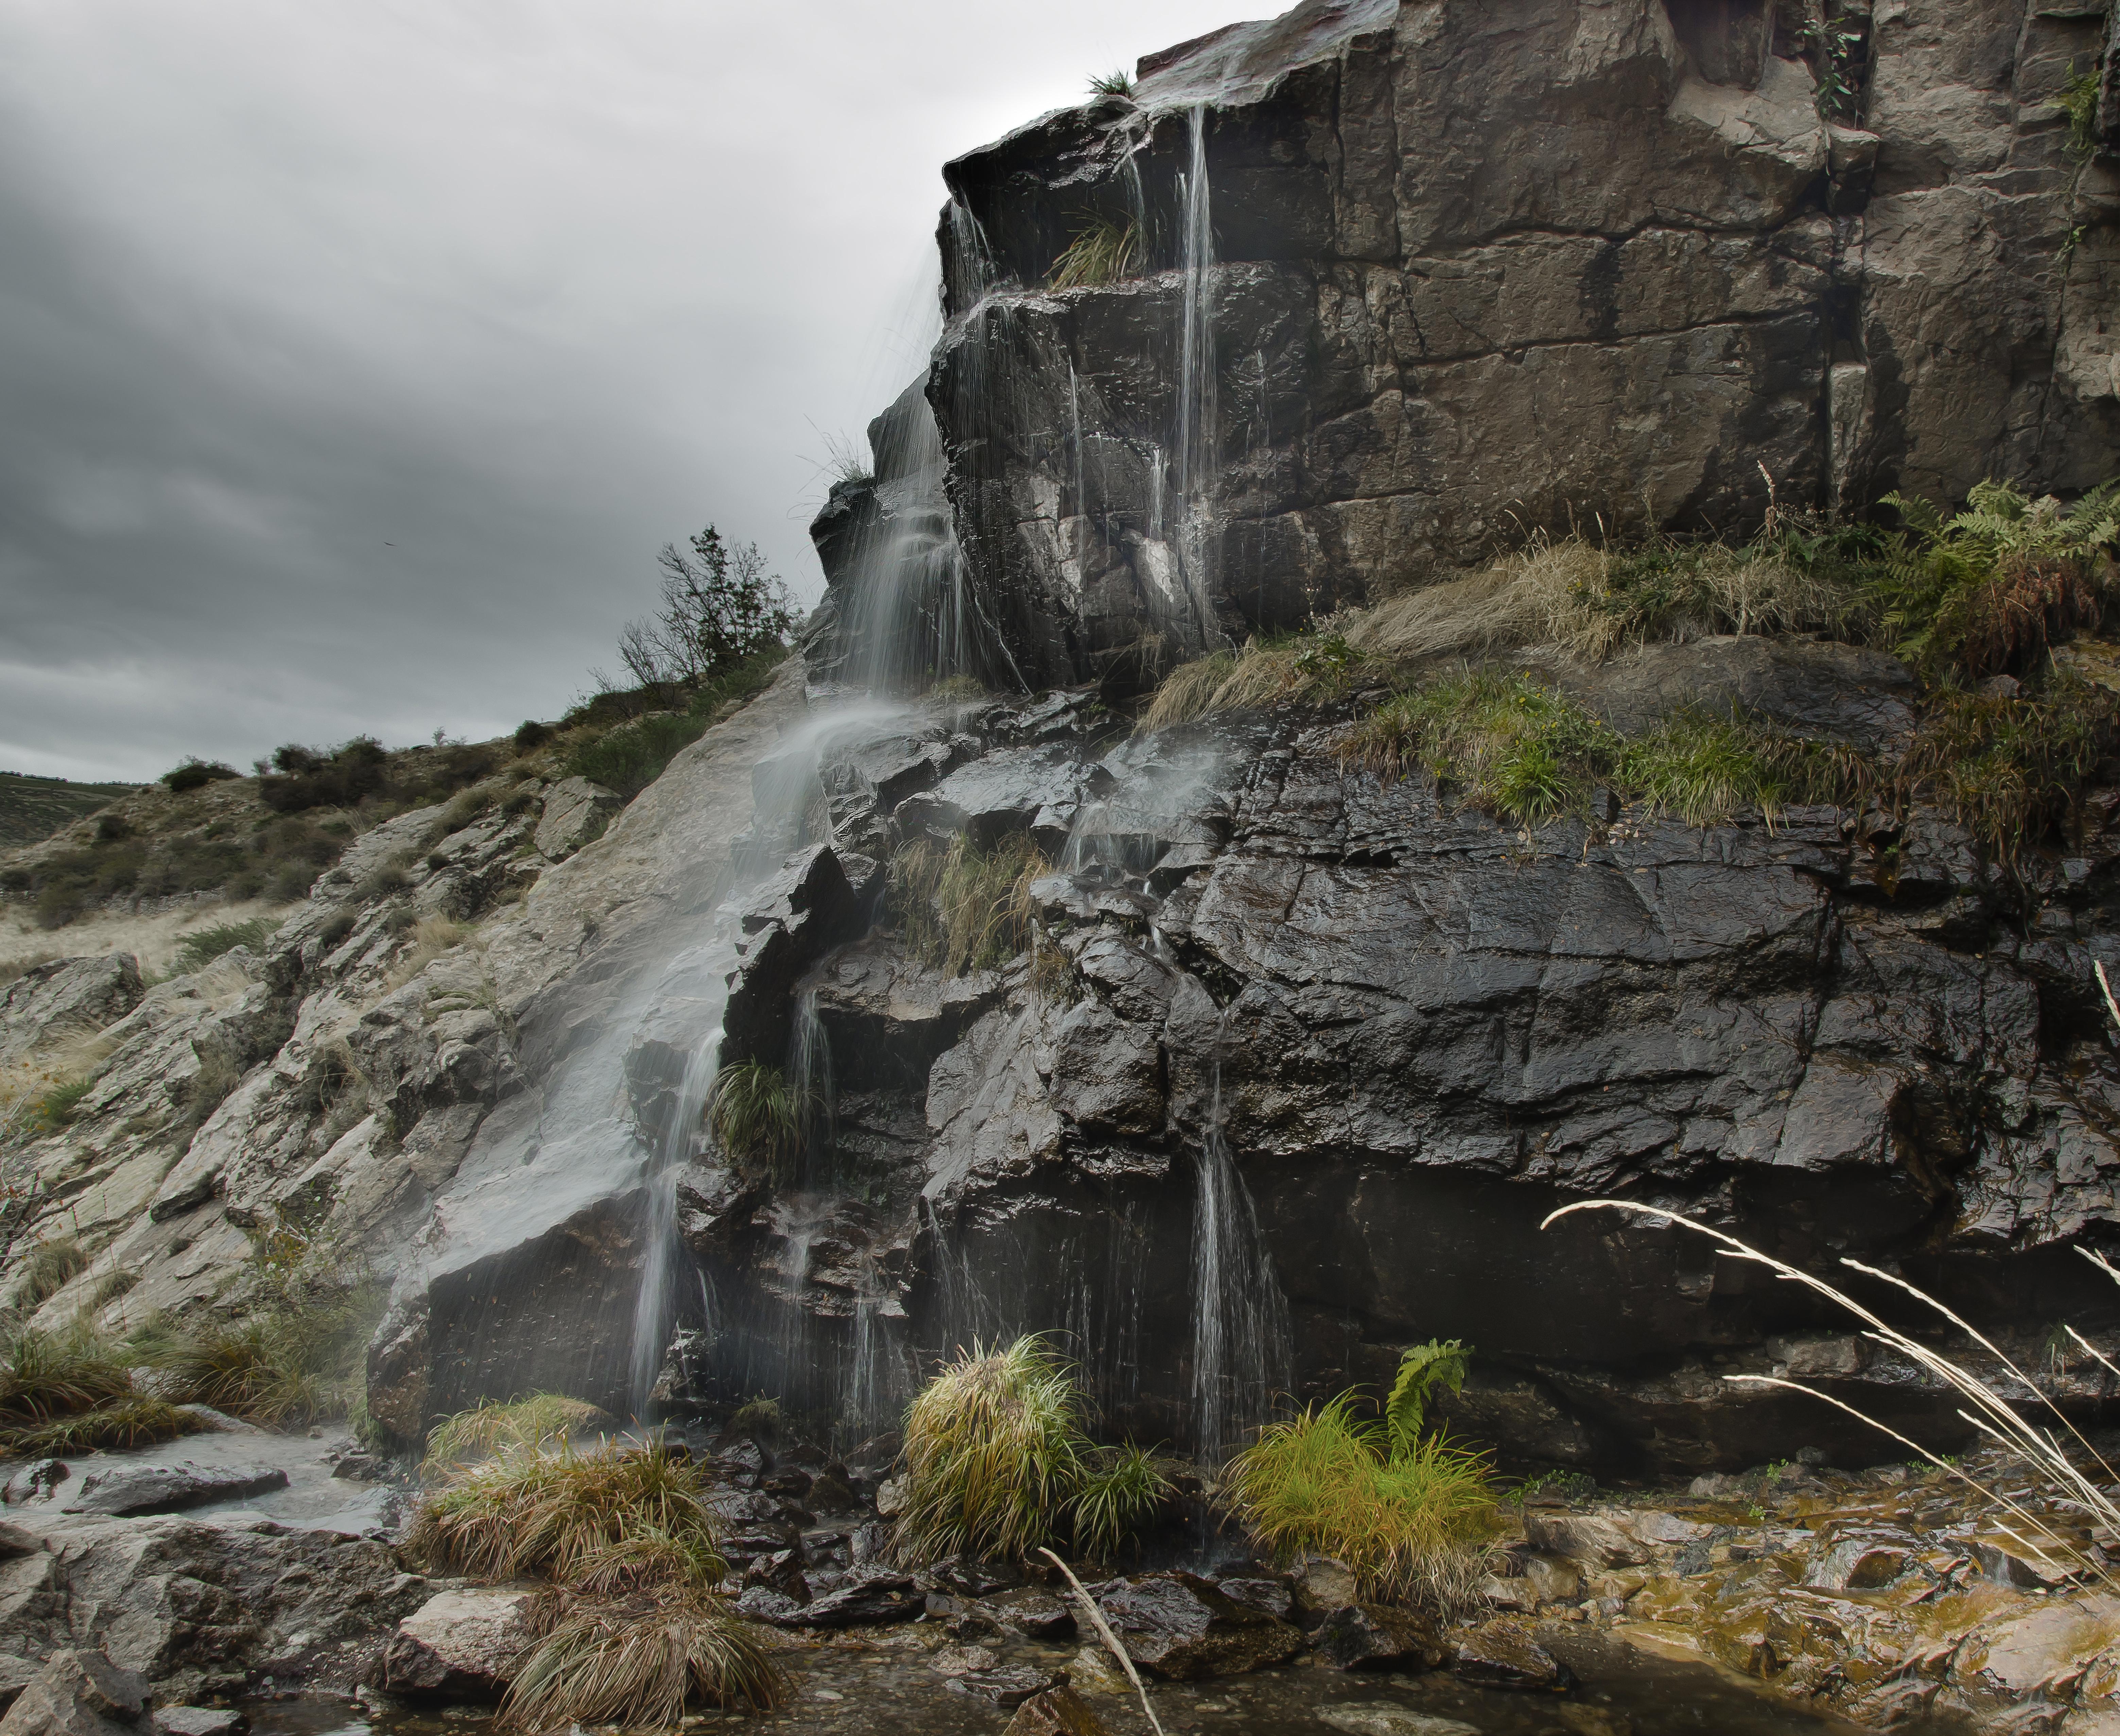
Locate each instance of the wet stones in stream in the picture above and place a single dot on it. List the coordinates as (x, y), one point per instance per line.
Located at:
(1184, 1626)
(131, 1490)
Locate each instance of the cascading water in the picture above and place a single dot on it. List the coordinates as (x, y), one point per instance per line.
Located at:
(816, 1099)
(1196, 454)
(1241, 1337)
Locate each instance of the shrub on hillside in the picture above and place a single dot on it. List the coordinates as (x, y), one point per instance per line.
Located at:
(195, 774)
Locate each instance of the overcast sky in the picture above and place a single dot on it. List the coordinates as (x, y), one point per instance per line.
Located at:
(357, 355)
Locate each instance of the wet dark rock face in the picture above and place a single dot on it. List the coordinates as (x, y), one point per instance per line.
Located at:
(1473, 268)
(1425, 1031)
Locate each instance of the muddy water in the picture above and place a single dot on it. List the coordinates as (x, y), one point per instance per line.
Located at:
(882, 1684)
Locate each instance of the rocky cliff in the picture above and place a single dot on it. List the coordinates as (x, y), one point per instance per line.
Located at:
(1384, 283)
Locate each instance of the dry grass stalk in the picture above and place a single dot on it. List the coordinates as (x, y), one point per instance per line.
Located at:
(2038, 1450)
(524, 1425)
(1111, 1640)
(638, 1662)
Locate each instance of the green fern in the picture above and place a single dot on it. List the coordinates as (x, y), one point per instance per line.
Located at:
(1423, 1372)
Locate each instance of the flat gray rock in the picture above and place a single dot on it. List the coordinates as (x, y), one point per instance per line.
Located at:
(1374, 1720)
(165, 1489)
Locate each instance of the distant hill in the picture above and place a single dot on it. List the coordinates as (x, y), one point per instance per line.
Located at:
(31, 809)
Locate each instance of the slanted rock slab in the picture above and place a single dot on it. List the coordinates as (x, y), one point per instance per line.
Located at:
(77, 1693)
(576, 812)
(198, 1720)
(135, 1489)
(1502, 1653)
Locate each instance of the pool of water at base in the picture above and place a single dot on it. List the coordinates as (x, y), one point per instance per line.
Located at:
(882, 1683)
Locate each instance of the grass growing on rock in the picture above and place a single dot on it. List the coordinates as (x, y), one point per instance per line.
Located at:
(963, 909)
(53, 1265)
(996, 1463)
(110, 1427)
(634, 1632)
(293, 1360)
(1413, 1525)
(522, 1425)
(48, 1374)
(756, 1115)
(201, 947)
(1103, 250)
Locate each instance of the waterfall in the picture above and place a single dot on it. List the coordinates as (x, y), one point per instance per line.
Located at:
(654, 1309)
(1196, 449)
(1241, 1346)
(809, 1077)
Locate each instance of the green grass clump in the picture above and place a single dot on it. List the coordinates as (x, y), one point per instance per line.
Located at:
(2078, 103)
(1113, 83)
(1704, 769)
(962, 909)
(1291, 669)
(48, 1374)
(756, 1115)
(1118, 1489)
(1104, 251)
(109, 1427)
(632, 756)
(1523, 751)
(1413, 1525)
(562, 1514)
(634, 1632)
(202, 946)
(522, 1425)
(994, 1455)
(617, 743)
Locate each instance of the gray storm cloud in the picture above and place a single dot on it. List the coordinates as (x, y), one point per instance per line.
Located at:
(357, 356)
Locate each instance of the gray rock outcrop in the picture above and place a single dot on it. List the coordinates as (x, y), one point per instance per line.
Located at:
(1410, 280)
(576, 812)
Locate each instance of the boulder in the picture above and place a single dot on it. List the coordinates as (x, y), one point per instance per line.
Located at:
(576, 813)
(866, 1596)
(38, 1480)
(1594, 1540)
(1180, 1626)
(1006, 1685)
(463, 1644)
(199, 1720)
(77, 1693)
(1374, 1717)
(781, 1570)
(1031, 1611)
(1375, 1636)
(134, 1489)
(1502, 1653)
(1058, 1711)
(1862, 1563)
(69, 997)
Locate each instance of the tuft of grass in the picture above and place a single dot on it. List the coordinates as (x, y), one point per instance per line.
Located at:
(1413, 1526)
(291, 1362)
(637, 1664)
(2078, 102)
(562, 1514)
(111, 1286)
(1117, 1489)
(962, 909)
(1704, 769)
(993, 1453)
(46, 1375)
(202, 946)
(2009, 766)
(109, 1427)
(756, 1116)
(520, 1426)
(1113, 83)
(430, 937)
(1104, 251)
(1524, 752)
(55, 1109)
(1304, 669)
(54, 1264)
(759, 1418)
(958, 690)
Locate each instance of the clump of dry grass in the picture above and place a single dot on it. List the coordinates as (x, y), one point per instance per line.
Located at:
(638, 1662)
(994, 1452)
(555, 1513)
(634, 1632)
(960, 908)
(1310, 669)
(2077, 1473)
(522, 1425)
(46, 1375)
(430, 937)
(110, 1427)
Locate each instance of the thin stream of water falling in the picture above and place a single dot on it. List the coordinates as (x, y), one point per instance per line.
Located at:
(1196, 443)
(654, 1309)
(1241, 1336)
